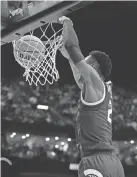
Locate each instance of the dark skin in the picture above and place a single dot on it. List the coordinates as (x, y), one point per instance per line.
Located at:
(86, 71)
(87, 93)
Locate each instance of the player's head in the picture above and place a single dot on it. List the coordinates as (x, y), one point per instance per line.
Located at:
(101, 62)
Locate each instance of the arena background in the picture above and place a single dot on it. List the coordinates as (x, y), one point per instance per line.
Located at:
(42, 142)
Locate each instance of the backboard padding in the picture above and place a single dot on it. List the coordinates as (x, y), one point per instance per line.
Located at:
(16, 28)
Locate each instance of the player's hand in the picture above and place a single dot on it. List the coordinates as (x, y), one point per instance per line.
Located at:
(64, 18)
(65, 21)
(68, 33)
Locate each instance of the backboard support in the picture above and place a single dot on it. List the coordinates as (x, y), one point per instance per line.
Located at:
(21, 17)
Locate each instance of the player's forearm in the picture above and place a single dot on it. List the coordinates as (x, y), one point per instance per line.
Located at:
(70, 34)
(75, 72)
(75, 54)
(72, 42)
(73, 67)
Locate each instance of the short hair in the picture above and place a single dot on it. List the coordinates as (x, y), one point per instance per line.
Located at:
(104, 61)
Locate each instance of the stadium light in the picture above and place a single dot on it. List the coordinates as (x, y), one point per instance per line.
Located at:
(69, 139)
(23, 137)
(56, 138)
(27, 135)
(14, 133)
(62, 143)
(56, 146)
(132, 141)
(53, 153)
(42, 107)
(11, 136)
(47, 139)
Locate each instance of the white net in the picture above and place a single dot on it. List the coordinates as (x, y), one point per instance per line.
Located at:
(38, 57)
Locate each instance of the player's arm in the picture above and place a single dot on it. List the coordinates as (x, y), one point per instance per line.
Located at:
(71, 43)
(75, 71)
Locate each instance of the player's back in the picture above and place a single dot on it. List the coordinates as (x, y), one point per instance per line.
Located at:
(93, 125)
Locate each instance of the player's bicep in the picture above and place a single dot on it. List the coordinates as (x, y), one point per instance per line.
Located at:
(75, 54)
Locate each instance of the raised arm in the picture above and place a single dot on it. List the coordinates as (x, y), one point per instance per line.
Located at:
(75, 71)
(71, 44)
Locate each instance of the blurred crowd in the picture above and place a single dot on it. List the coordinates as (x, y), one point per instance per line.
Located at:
(124, 108)
(39, 148)
(19, 103)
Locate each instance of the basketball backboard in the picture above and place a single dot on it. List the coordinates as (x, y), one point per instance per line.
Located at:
(21, 17)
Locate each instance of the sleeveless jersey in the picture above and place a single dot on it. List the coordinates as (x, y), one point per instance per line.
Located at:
(94, 125)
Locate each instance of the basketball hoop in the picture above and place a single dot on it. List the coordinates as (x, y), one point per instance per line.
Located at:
(38, 56)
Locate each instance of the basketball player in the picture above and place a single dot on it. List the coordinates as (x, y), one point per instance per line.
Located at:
(93, 121)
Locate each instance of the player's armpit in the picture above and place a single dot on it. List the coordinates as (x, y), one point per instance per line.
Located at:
(90, 75)
(93, 96)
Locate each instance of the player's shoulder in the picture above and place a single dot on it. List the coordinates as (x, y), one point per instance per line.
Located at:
(107, 90)
(91, 96)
